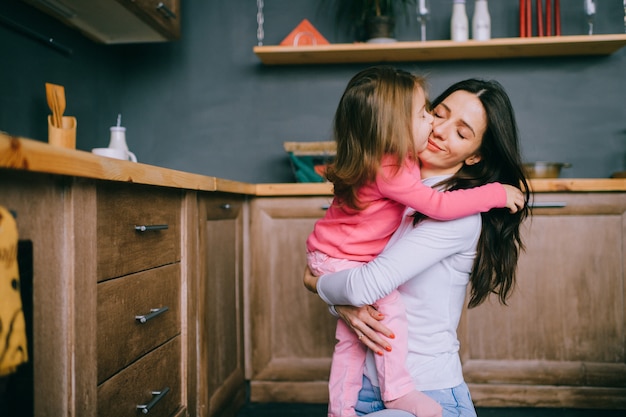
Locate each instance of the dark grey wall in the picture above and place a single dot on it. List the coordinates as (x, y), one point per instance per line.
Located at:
(88, 75)
(205, 104)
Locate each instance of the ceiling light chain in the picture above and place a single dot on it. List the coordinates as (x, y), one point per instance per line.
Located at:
(260, 19)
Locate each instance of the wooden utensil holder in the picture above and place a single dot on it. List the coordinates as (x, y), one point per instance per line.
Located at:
(64, 137)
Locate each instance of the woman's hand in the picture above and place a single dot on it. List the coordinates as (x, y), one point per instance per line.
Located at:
(515, 200)
(365, 321)
(310, 280)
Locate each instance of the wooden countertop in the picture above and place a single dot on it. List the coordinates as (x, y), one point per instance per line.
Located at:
(537, 186)
(37, 156)
(31, 155)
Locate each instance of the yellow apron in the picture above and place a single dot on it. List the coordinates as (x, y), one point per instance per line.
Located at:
(12, 325)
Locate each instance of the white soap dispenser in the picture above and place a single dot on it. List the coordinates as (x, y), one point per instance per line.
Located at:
(459, 30)
(481, 21)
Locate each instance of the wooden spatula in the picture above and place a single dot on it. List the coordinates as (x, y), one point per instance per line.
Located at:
(52, 103)
(55, 95)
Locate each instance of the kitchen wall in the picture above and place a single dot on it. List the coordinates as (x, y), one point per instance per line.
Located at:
(205, 104)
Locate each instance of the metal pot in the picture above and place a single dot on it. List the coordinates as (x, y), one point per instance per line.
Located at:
(544, 169)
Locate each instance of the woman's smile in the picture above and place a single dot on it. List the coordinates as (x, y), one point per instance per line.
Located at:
(432, 146)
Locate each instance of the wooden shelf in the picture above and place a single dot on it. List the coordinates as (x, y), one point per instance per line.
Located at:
(343, 53)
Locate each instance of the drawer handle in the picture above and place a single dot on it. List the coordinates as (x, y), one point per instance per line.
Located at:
(325, 207)
(151, 227)
(165, 11)
(153, 313)
(158, 396)
(225, 206)
(549, 204)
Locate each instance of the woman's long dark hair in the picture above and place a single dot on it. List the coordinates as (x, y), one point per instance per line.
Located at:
(500, 243)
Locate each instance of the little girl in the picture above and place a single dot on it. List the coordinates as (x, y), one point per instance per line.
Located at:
(381, 123)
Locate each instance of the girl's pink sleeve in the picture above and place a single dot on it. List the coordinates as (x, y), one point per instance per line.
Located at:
(406, 188)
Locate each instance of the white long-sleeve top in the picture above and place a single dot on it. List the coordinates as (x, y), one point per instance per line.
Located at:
(430, 266)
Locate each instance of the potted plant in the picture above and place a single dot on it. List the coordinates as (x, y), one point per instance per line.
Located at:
(367, 20)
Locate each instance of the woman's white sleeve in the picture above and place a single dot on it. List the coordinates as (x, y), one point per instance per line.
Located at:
(417, 250)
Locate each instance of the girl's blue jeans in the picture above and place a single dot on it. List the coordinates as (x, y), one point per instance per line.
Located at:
(456, 402)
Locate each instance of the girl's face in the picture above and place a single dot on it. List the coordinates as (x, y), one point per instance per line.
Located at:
(458, 128)
(422, 121)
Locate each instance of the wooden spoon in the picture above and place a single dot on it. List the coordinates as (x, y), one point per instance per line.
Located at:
(55, 95)
(59, 93)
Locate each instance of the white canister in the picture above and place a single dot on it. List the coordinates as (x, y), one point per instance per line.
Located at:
(481, 21)
(459, 30)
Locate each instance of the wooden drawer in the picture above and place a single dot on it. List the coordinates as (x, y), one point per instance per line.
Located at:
(121, 248)
(120, 395)
(121, 338)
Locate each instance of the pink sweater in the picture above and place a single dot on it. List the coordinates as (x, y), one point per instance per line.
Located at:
(360, 235)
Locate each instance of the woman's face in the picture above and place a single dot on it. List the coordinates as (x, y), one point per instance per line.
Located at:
(422, 121)
(458, 128)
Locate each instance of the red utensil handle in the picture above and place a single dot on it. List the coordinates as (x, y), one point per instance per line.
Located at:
(529, 19)
(557, 17)
(522, 18)
(548, 18)
(539, 19)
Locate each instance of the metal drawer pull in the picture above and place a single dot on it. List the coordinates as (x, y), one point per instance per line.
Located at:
(165, 11)
(151, 227)
(325, 207)
(225, 206)
(549, 204)
(153, 313)
(158, 396)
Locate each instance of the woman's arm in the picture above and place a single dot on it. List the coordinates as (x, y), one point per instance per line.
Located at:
(414, 251)
(364, 321)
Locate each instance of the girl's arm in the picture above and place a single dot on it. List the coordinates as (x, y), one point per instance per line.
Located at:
(416, 250)
(406, 188)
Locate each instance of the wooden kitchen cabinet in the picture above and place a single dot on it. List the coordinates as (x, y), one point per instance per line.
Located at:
(291, 331)
(561, 341)
(118, 21)
(219, 303)
(93, 274)
(138, 299)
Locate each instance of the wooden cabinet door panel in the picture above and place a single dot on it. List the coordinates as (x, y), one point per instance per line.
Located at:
(565, 324)
(291, 330)
(220, 307)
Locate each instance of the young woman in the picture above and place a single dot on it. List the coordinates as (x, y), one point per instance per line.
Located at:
(474, 141)
(382, 122)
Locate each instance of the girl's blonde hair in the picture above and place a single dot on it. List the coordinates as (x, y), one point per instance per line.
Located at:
(373, 119)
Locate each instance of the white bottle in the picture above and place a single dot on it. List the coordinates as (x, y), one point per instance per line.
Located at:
(459, 30)
(481, 21)
(118, 138)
